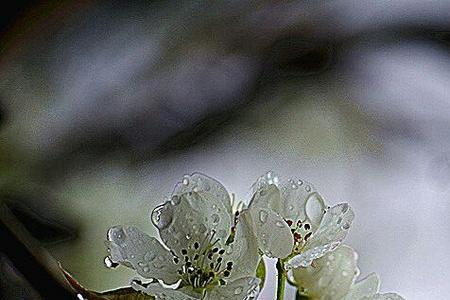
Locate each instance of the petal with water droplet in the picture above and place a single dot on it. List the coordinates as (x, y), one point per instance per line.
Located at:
(133, 248)
(330, 234)
(208, 188)
(331, 276)
(272, 232)
(239, 289)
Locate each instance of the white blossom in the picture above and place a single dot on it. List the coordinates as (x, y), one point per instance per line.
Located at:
(333, 276)
(292, 222)
(204, 250)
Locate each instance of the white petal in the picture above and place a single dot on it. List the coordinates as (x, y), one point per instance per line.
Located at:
(301, 202)
(330, 234)
(274, 236)
(293, 199)
(131, 247)
(387, 296)
(208, 188)
(159, 292)
(364, 288)
(243, 252)
(192, 216)
(239, 289)
(332, 275)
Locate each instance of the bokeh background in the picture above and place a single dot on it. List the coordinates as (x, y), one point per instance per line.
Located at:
(104, 106)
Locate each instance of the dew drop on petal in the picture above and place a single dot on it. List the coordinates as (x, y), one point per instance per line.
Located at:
(80, 297)
(279, 224)
(161, 216)
(175, 200)
(263, 216)
(185, 180)
(238, 290)
(109, 263)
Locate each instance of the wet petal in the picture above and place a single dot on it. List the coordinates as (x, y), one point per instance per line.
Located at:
(330, 234)
(192, 217)
(274, 236)
(364, 288)
(332, 275)
(243, 252)
(239, 289)
(160, 292)
(133, 248)
(293, 199)
(301, 202)
(208, 188)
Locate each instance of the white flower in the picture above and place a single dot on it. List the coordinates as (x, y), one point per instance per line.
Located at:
(333, 277)
(292, 222)
(204, 250)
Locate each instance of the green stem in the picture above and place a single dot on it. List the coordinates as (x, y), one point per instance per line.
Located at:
(281, 280)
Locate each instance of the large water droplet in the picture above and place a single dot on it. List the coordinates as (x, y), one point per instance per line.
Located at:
(279, 224)
(109, 263)
(263, 216)
(175, 200)
(238, 290)
(80, 297)
(162, 216)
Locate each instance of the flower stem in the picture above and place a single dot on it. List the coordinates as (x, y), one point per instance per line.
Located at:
(281, 280)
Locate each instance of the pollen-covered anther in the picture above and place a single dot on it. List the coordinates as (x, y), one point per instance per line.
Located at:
(202, 263)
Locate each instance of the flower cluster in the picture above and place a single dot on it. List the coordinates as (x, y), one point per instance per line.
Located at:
(210, 247)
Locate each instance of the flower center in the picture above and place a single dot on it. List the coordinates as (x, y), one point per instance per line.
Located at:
(301, 230)
(203, 263)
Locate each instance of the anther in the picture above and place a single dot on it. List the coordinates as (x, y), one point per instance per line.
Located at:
(222, 251)
(196, 245)
(307, 226)
(226, 273)
(183, 251)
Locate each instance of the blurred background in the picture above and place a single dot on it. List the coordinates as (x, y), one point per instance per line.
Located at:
(104, 106)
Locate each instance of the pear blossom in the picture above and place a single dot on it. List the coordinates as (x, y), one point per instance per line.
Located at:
(333, 277)
(205, 253)
(293, 223)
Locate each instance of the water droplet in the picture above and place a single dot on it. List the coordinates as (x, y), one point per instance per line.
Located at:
(145, 269)
(215, 219)
(308, 188)
(185, 180)
(109, 263)
(238, 290)
(300, 182)
(175, 200)
(294, 186)
(269, 174)
(279, 224)
(291, 207)
(346, 226)
(344, 273)
(196, 189)
(162, 216)
(188, 236)
(80, 297)
(263, 216)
